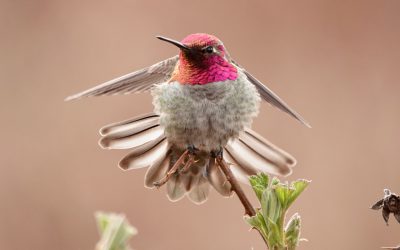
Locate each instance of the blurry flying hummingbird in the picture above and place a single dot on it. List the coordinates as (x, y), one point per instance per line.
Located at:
(204, 105)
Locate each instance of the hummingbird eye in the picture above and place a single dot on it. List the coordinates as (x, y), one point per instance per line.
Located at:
(208, 49)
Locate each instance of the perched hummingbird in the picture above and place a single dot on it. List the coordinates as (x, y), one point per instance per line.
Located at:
(204, 104)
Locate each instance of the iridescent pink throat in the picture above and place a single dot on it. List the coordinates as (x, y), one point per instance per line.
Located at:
(213, 69)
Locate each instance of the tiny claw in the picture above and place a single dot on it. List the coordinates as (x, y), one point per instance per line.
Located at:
(157, 184)
(188, 164)
(192, 149)
(217, 154)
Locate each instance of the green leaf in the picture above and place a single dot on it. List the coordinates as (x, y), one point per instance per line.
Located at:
(264, 229)
(297, 187)
(274, 235)
(282, 192)
(254, 221)
(258, 222)
(270, 205)
(114, 230)
(275, 198)
(292, 231)
(259, 183)
(275, 181)
(102, 221)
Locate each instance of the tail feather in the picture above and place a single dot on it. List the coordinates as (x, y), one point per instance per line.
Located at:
(255, 155)
(131, 126)
(157, 171)
(140, 158)
(151, 134)
(217, 178)
(189, 181)
(175, 187)
(132, 133)
(263, 146)
(200, 191)
(241, 172)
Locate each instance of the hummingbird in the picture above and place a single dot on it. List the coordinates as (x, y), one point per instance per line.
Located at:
(204, 104)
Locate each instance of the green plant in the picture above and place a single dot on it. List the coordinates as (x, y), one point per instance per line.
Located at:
(114, 230)
(276, 198)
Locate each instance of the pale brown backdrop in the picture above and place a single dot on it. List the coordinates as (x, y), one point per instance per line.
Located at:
(335, 62)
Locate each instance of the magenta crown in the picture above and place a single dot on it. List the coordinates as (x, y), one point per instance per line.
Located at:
(201, 39)
(215, 67)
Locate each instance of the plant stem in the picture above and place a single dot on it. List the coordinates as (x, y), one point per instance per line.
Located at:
(282, 224)
(249, 209)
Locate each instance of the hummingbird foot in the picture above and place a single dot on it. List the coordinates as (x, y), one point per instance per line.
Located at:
(192, 153)
(173, 170)
(218, 153)
(192, 149)
(188, 164)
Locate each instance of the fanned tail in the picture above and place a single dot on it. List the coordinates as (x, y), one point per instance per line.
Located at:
(149, 147)
(251, 153)
(248, 154)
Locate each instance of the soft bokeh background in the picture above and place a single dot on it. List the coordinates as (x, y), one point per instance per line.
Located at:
(335, 62)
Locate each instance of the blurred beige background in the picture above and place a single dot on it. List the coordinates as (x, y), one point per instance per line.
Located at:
(335, 62)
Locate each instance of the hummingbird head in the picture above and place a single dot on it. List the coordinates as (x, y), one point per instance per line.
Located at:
(202, 59)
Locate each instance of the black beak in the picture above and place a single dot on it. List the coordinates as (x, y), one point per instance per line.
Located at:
(176, 43)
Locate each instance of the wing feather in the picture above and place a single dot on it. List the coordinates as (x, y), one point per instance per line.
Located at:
(138, 81)
(272, 98)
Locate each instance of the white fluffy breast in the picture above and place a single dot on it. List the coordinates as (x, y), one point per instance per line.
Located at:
(206, 116)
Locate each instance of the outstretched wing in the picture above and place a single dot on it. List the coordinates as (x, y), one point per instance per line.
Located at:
(134, 82)
(272, 98)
